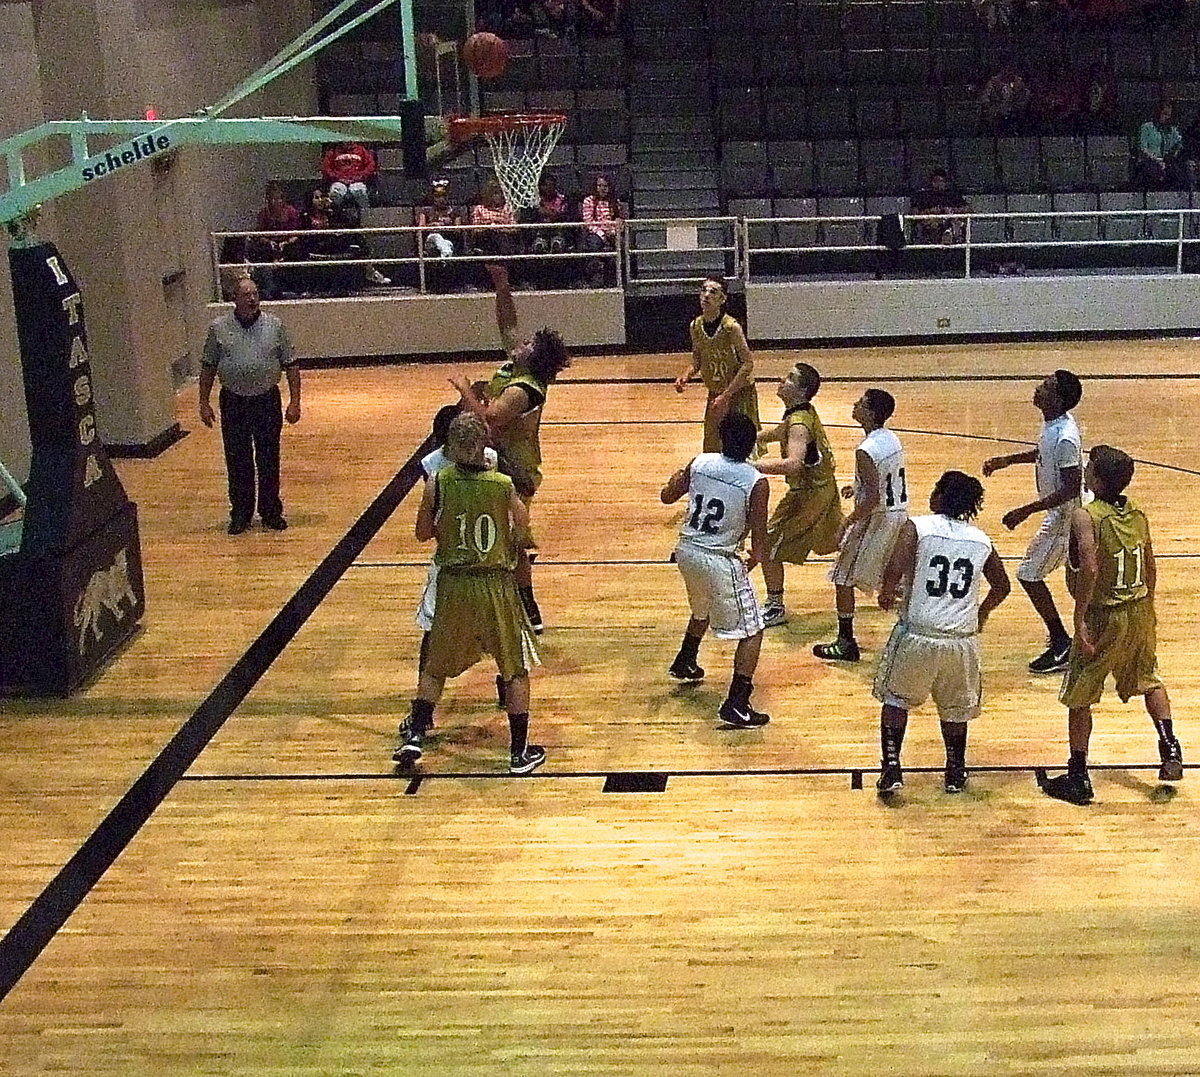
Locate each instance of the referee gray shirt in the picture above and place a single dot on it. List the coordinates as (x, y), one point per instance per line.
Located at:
(248, 359)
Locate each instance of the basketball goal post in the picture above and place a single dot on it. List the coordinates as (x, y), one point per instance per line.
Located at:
(71, 583)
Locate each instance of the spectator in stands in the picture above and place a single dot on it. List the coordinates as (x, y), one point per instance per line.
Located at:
(938, 200)
(1160, 162)
(439, 213)
(495, 230)
(276, 215)
(348, 214)
(348, 167)
(552, 209)
(601, 213)
(1005, 99)
(1097, 102)
(599, 16)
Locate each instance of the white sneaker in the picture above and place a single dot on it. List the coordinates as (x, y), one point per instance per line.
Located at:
(375, 277)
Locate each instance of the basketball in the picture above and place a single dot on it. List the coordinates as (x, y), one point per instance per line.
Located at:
(486, 55)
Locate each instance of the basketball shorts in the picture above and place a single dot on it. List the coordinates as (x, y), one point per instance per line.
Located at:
(426, 607)
(719, 591)
(1125, 647)
(805, 521)
(745, 401)
(866, 547)
(1048, 547)
(914, 667)
(478, 613)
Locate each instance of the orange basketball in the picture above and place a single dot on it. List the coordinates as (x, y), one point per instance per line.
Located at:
(485, 54)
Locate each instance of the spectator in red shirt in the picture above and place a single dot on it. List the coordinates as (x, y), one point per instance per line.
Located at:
(348, 167)
(276, 215)
(552, 208)
(601, 213)
(495, 224)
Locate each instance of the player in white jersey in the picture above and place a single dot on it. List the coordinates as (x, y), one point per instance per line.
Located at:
(1058, 461)
(727, 499)
(867, 535)
(934, 647)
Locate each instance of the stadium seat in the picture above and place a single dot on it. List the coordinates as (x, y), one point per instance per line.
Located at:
(1033, 229)
(836, 167)
(761, 235)
(882, 166)
(1076, 229)
(875, 116)
(1166, 225)
(975, 164)
(994, 230)
(863, 25)
(1122, 227)
(924, 155)
(843, 233)
(792, 168)
(869, 67)
(829, 115)
(918, 114)
(785, 112)
(739, 112)
(1019, 165)
(796, 235)
(1064, 164)
(1108, 162)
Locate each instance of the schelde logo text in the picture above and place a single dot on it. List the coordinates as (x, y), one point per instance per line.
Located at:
(137, 149)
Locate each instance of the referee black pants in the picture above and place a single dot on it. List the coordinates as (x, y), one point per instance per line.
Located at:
(251, 427)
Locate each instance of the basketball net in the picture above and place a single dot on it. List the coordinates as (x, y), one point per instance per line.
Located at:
(519, 154)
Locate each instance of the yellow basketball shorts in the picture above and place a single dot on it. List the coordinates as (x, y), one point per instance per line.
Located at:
(746, 402)
(805, 521)
(1125, 639)
(478, 613)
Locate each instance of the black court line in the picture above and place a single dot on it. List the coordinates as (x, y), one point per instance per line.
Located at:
(418, 780)
(30, 935)
(824, 560)
(859, 379)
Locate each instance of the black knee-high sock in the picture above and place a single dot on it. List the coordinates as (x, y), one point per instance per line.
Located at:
(688, 649)
(518, 731)
(1077, 763)
(891, 740)
(846, 627)
(739, 691)
(954, 735)
(1165, 728)
(423, 653)
(421, 717)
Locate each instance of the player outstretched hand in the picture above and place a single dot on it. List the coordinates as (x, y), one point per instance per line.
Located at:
(848, 491)
(681, 383)
(207, 415)
(993, 464)
(1014, 518)
(1084, 641)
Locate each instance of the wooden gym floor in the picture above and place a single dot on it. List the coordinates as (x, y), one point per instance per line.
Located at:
(293, 908)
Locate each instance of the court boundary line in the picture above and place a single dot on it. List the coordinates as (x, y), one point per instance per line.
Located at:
(851, 379)
(41, 921)
(422, 777)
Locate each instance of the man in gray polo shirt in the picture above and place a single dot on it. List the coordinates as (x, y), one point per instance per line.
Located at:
(247, 349)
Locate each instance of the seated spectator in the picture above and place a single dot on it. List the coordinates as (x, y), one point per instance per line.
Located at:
(1159, 162)
(234, 268)
(937, 200)
(495, 230)
(1005, 99)
(439, 213)
(552, 208)
(348, 214)
(601, 213)
(276, 215)
(319, 243)
(599, 16)
(348, 167)
(1097, 102)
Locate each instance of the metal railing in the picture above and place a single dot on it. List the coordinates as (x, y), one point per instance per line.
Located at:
(682, 250)
(405, 247)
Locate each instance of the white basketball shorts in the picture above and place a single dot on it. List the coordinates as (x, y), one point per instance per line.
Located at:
(865, 550)
(719, 591)
(914, 667)
(428, 601)
(1048, 547)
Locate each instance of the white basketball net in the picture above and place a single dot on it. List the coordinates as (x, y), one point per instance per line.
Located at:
(518, 155)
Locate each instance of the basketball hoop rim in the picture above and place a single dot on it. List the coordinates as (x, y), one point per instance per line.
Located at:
(461, 128)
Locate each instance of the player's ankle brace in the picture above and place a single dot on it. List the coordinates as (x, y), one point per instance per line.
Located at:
(739, 691)
(421, 716)
(891, 740)
(1077, 763)
(1165, 728)
(846, 628)
(689, 648)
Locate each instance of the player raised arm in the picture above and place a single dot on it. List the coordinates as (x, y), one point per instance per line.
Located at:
(793, 461)
(677, 485)
(506, 308)
(998, 587)
(901, 565)
(999, 463)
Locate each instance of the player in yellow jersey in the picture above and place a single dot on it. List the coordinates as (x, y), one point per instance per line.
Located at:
(721, 356)
(1111, 571)
(480, 525)
(512, 407)
(808, 518)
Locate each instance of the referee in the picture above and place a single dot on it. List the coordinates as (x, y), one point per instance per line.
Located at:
(247, 349)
